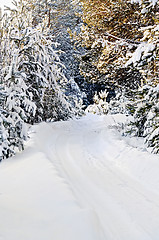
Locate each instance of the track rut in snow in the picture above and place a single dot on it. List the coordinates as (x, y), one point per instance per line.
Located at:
(94, 162)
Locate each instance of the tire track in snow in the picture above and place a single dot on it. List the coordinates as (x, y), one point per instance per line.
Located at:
(90, 226)
(84, 157)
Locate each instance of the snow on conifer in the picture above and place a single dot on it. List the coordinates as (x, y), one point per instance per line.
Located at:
(31, 75)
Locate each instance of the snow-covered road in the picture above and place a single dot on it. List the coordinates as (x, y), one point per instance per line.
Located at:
(80, 180)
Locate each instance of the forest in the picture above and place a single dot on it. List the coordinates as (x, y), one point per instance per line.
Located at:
(60, 59)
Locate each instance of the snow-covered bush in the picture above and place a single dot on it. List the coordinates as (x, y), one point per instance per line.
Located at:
(151, 131)
(5, 149)
(120, 104)
(146, 117)
(100, 105)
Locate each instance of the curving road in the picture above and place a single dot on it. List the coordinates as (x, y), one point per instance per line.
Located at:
(80, 180)
(94, 161)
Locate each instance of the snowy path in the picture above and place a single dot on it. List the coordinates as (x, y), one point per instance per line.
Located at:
(80, 181)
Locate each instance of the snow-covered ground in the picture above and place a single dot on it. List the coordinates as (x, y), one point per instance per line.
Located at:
(80, 180)
(7, 3)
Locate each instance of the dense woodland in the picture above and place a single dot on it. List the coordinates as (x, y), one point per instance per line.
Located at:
(62, 58)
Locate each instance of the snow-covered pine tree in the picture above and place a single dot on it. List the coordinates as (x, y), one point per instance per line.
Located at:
(16, 104)
(41, 65)
(145, 121)
(110, 30)
(31, 76)
(61, 15)
(139, 110)
(6, 149)
(151, 131)
(19, 103)
(146, 59)
(119, 104)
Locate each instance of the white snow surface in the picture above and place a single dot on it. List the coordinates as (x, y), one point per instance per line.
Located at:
(7, 3)
(80, 180)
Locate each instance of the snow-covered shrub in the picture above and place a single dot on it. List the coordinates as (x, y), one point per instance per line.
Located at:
(119, 104)
(16, 107)
(12, 116)
(151, 131)
(100, 105)
(5, 149)
(146, 117)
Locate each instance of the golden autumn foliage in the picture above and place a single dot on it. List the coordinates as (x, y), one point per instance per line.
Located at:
(111, 17)
(111, 32)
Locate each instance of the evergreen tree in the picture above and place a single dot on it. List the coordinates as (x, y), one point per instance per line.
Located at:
(6, 149)
(111, 32)
(32, 79)
(145, 110)
(146, 59)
